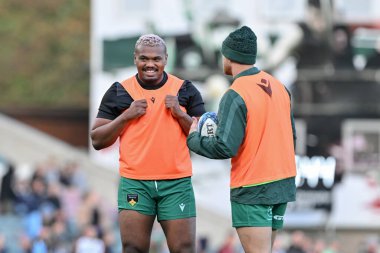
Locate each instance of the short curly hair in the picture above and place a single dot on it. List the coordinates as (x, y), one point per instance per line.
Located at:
(150, 40)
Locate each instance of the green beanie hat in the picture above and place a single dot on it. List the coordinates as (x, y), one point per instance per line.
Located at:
(241, 46)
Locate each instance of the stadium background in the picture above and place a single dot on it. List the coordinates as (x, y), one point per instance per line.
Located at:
(58, 58)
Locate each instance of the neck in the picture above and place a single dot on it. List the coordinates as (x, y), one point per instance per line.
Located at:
(154, 83)
(237, 68)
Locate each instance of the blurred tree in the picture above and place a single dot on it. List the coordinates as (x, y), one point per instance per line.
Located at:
(44, 54)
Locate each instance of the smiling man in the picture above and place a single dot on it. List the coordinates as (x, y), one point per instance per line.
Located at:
(151, 114)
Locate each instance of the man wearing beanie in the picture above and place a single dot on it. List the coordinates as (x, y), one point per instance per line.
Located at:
(256, 130)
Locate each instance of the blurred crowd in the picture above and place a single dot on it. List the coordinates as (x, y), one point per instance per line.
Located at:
(297, 242)
(51, 209)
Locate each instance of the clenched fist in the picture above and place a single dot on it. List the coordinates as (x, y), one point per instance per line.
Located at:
(137, 109)
(171, 102)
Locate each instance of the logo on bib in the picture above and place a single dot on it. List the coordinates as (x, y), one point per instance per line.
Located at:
(265, 85)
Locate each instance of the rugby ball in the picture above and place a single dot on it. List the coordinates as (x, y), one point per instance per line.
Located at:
(208, 124)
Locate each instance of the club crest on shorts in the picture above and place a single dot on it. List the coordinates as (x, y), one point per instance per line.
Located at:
(269, 213)
(132, 199)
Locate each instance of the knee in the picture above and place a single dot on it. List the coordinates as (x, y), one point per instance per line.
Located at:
(128, 248)
(183, 247)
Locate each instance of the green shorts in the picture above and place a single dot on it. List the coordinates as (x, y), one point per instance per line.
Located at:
(168, 199)
(244, 215)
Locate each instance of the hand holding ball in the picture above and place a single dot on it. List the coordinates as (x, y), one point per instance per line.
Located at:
(208, 124)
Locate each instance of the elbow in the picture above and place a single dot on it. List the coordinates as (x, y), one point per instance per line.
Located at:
(227, 151)
(99, 144)
(96, 145)
(95, 142)
(222, 153)
(227, 155)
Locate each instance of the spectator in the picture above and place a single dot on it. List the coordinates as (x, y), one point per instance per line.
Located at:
(229, 244)
(41, 243)
(279, 244)
(7, 194)
(109, 241)
(298, 238)
(333, 247)
(342, 49)
(25, 244)
(89, 212)
(3, 248)
(203, 245)
(30, 196)
(319, 246)
(59, 237)
(89, 242)
(70, 175)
